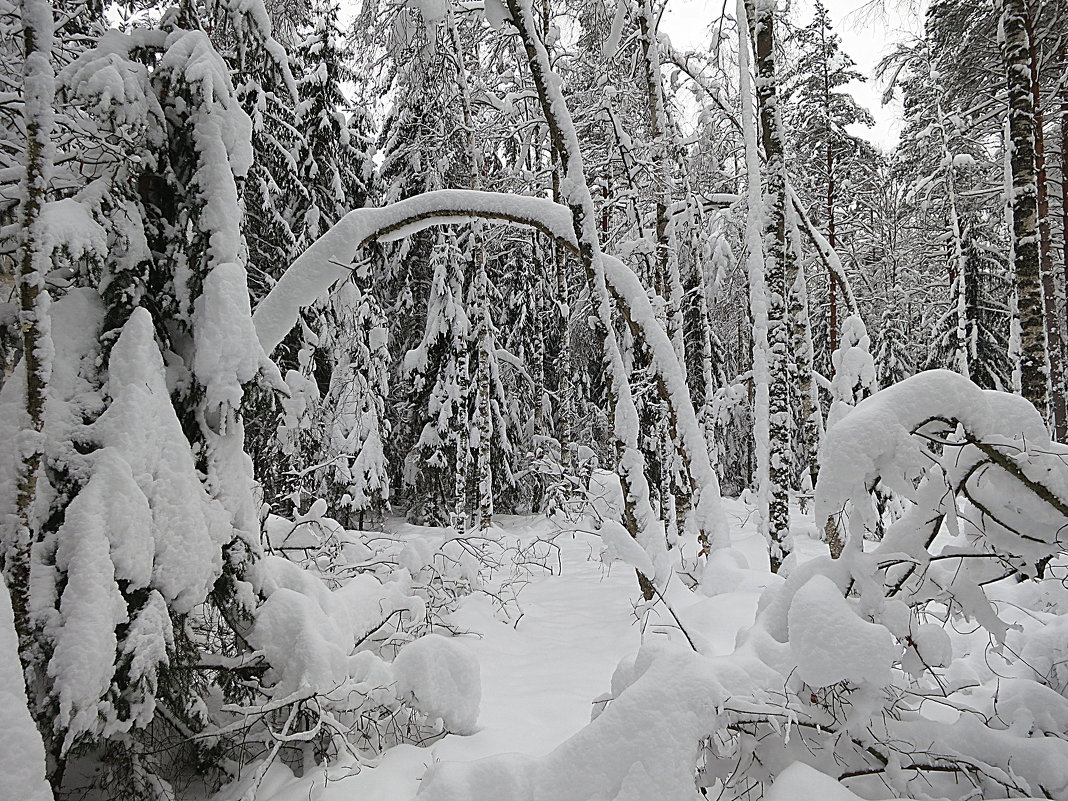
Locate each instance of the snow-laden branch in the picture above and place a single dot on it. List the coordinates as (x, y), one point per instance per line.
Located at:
(330, 257)
(884, 438)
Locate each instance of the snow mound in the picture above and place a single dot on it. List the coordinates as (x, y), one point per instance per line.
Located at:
(441, 678)
(301, 642)
(22, 758)
(799, 782)
(832, 643)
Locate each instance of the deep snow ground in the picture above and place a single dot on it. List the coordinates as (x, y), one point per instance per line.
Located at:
(542, 672)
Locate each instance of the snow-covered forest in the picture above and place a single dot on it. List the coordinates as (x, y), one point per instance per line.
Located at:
(494, 401)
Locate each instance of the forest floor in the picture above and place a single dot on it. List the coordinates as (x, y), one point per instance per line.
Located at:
(544, 666)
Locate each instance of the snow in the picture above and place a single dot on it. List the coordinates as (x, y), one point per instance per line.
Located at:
(22, 757)
(876, 439)
(441, 676)
(227, 351)
(69, 225)
(496, 13)
(799, 782)
(619, 546)
(832, 643)
(303, 644)
(83, 660)
(140, 428)
(330, 257)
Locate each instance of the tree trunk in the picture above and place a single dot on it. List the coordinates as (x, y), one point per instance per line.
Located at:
(832, 323)
(776, 257)
(669, 278)
(1024, 202)
(1049, 283)
(1064, 229)
(34, 262)
(484, 324)
(801, 346)
(575, 194)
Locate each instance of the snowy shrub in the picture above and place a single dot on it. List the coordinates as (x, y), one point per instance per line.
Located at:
(441, 679)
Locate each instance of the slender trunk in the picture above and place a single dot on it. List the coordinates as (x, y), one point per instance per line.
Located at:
(668, 278)
(1024, 199)
(33, 264)
(1064, 232)
(537, 360)
(575, 194)
(1049, 283)
(463, 390)
(832, 324)
(483, 325)
(565, 388)
(801, 346)
(958, 274)
(758, 306)
(776, 270)
(483, 335)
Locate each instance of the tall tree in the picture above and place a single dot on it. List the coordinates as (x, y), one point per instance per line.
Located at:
(776, 256)
(1033, 360)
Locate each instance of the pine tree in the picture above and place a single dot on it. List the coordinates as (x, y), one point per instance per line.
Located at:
(439, 365)
(893, 361)
(819, 114)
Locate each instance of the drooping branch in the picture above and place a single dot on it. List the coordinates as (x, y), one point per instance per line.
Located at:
(329, 259)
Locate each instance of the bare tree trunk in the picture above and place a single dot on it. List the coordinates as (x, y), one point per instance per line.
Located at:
(1064, 226)
(34, 262)
(565, 390)
(801, 347)
(669, 278)
(776, 258)
(538, 349)
(459, 514)
(663, 181)
(483, 334)
(1049, 283)
(832, 323)
(1034, 370)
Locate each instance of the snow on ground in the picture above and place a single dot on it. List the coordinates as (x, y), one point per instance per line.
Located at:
(542, 673)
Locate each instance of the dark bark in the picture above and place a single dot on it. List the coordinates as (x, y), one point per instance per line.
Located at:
(1024, 203)
(1051, 314)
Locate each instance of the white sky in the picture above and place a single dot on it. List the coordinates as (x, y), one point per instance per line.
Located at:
(866, 38)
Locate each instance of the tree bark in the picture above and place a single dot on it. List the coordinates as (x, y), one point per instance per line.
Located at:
(1034, 371)
(484, 324)
(832, 322)
(34, 262)
(776, 257)
(1051, 314)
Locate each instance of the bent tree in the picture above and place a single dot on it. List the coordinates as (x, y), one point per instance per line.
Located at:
(328, 260)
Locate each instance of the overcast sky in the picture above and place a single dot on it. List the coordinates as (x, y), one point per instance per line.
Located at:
(866, 37)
